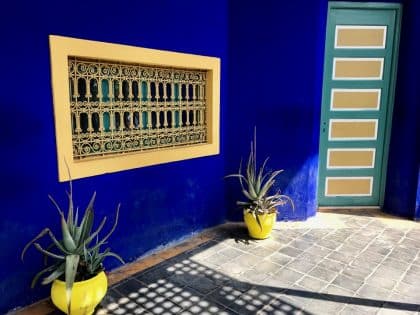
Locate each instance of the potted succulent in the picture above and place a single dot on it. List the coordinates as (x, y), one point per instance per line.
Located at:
(260, 206)
(76, 270)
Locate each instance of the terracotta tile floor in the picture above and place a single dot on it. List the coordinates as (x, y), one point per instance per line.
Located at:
(340, 262)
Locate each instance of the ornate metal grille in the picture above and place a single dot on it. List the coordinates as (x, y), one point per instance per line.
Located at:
(120, 108)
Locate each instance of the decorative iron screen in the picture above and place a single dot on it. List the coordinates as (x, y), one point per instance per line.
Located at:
(120, 108)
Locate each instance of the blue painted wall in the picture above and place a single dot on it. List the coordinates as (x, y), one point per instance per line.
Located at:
(404, 155)
(160, 204)
(275, 80)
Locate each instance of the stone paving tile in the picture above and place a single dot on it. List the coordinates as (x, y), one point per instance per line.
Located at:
(261, 251)
(300, 244)
(371, 292)
(381, 281)
(312, 283)
(322, 273)
(347, 283)
(359, 273)
(280, 259)
(290, 251)
(301, 265)
(231, 252)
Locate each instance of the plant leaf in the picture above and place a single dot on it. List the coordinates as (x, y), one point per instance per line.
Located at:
(38, 247)
(72, 262)
(68, 240)
(41, 234)
(57, 273)
(39, 274)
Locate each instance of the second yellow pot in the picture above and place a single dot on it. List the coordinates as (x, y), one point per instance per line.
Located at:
(255, 230)
(85, 295)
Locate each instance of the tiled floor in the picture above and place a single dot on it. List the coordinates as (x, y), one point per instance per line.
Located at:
(350, 262)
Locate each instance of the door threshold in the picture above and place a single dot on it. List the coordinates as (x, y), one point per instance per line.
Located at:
(348, 207)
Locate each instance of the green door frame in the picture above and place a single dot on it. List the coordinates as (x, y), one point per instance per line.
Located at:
(397, 8)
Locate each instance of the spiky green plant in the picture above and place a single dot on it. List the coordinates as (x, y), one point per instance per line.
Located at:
(256, 185)
(77, 255)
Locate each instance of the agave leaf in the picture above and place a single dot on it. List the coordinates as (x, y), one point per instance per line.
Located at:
(87, 221)
(257, 218)
(56, 205)
(70, 218)
(68, 240)
(72, 262)
(266, 188)
(112, 254)
(117, 214)
(41, 234)
(260, 175)
(57, 273)
(48, 253)
(39, 274)
(94, 234)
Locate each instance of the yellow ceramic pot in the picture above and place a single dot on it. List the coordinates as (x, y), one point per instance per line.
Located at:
(84, 296)
(254, 229)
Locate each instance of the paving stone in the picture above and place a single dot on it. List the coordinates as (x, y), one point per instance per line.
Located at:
(266, 266)
(341, 257)
(261, 251)
(318, 251)
(328, 243)
(371, 257)
(225, 294)
(248, 304)
(290, 251)
(390, 272)
(396, 264)
(332, 265)
(231, 252)
(255, 276)
(205, 307)
(187, 298)
(247, 260)
(324, 306)
(412, 290)
(347, 283)
(301, 244)
(322, 273)
(403, 253)
(381, 282)
(356, 272)
(281, 308)
(311, 257)
(203, 285)
(368, 291)
(312, 283)
(289, 274)
(280, 259)
(216, 260)
(356, 310)
(332, 291)
(301, 265)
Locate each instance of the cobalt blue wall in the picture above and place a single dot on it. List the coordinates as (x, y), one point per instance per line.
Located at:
(160, 204)
(404, 155)
(275, 80)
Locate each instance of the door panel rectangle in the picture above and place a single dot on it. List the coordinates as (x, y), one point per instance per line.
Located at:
(348, 186)
(350, 158)
(358, 68)
(353, 129)
(360, 36)
(355, 99)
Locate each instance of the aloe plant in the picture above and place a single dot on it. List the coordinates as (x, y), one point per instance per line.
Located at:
(256, 185)
(77, 255)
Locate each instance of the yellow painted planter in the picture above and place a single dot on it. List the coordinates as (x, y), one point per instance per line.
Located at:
(267, 222)
(84, 297)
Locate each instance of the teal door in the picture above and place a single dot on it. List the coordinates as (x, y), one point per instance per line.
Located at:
(358, 91)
